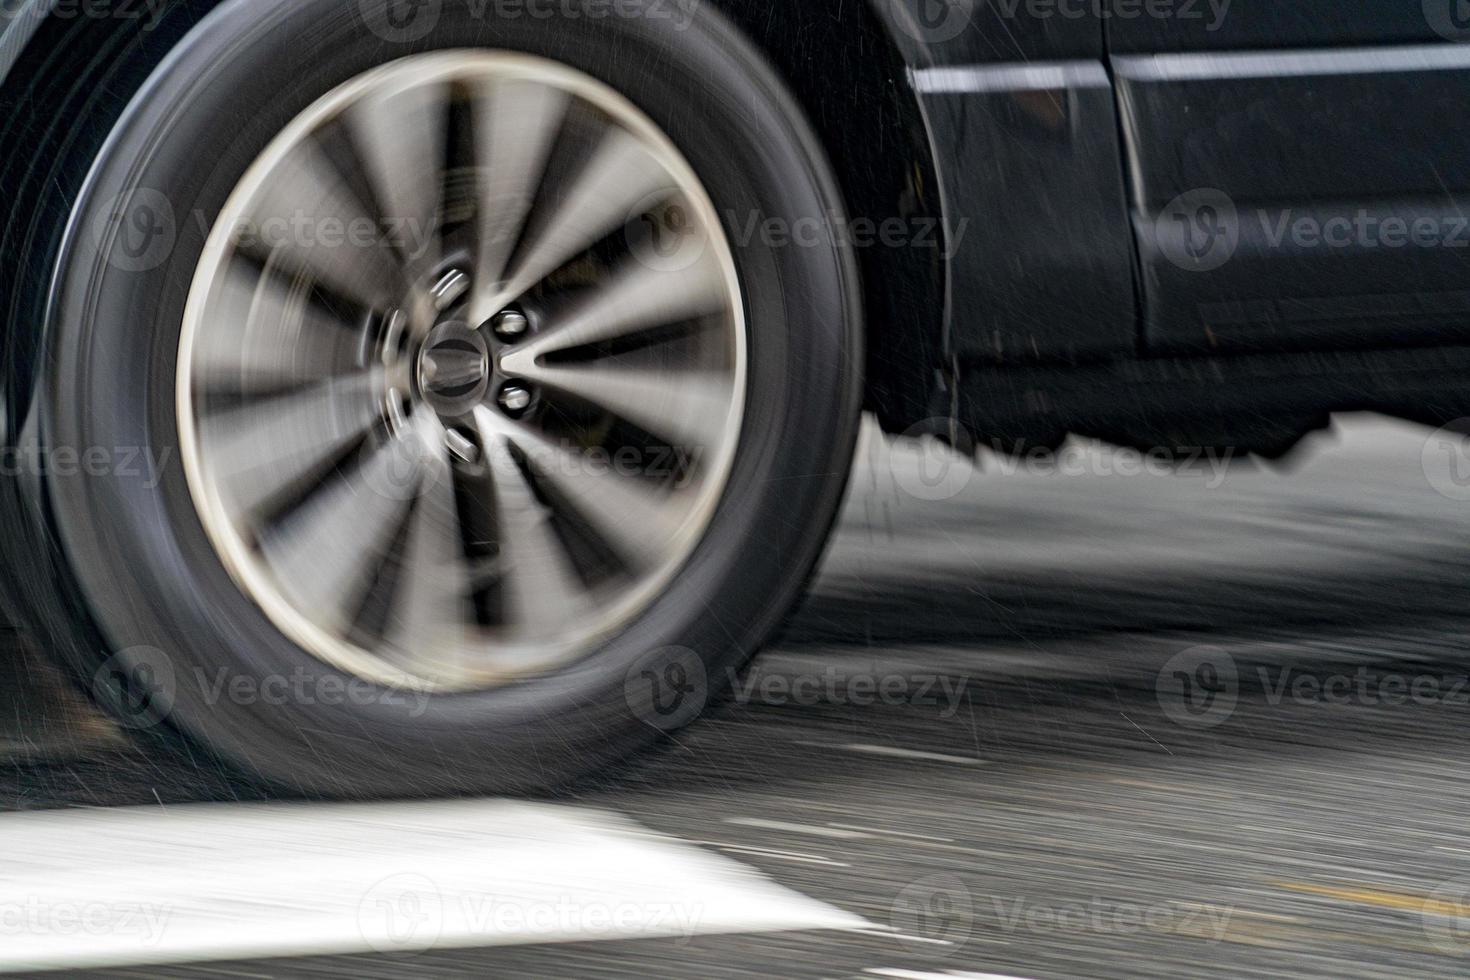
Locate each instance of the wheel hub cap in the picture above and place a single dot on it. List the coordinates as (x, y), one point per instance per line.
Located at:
(454, 369)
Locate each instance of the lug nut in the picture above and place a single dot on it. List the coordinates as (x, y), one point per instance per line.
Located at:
(450, 287)
(462, 446)
(515, 398)
(510, 325)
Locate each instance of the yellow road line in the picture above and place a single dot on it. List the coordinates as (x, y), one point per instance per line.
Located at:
(1405, 901)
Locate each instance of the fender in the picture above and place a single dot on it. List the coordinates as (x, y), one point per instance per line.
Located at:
(1022, 117)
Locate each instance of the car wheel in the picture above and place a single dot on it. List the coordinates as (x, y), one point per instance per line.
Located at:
(489, 432)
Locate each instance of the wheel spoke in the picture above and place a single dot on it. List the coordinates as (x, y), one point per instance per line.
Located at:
(268, 447)
(430, 619)
(636, 298)
(516, 124)
(327, 552)
(637, 519)
(311, 224)
(401, 138)
(688, 408)
(281, 338)
(620, 175)
(540, 584)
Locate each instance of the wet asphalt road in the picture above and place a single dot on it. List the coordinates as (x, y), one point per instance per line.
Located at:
(1046, 724)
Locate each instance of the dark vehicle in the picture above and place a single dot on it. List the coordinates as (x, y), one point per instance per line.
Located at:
(406, 397)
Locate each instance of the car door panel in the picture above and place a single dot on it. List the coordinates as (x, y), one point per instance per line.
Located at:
(1297, 175)
(1299, 198)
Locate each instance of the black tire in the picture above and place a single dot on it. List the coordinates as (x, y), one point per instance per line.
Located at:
(178, 632)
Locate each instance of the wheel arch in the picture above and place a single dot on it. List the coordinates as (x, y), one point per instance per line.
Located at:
(851, 71)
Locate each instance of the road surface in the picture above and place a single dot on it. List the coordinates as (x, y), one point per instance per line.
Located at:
(1064, 717)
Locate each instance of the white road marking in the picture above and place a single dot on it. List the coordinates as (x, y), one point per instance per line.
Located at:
(780, 856)
(796, 856)
(891, 833)
(797, 828)
(895, 934)
(106, 888)
(894, 752)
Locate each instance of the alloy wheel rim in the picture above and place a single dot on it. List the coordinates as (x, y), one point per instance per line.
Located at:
(462, 371)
